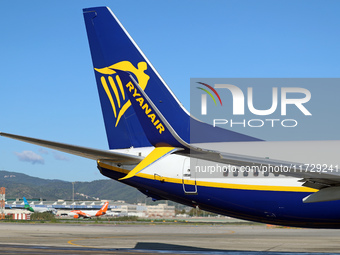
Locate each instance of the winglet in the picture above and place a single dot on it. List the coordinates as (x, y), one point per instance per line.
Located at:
(155, 155)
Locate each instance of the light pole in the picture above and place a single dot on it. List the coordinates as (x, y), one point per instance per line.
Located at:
(73, 195)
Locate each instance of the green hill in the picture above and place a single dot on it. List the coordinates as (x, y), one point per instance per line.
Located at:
(18, 185)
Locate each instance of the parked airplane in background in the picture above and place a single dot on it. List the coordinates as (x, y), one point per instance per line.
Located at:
(151, 147)
(39, 209)
(89, 214)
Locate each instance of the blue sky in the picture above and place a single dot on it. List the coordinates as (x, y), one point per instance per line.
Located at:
(47, 83)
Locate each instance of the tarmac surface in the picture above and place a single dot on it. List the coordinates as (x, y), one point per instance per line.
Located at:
(29, 238)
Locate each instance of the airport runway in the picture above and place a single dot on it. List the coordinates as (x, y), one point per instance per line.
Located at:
(29, 238)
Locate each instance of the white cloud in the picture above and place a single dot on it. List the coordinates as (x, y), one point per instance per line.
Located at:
(30, 156)
(60, 156)
(43, 151)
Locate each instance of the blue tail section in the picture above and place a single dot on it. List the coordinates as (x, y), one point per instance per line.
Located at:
(112, 47)
(157, 129)
(25, 201)
(113, 50)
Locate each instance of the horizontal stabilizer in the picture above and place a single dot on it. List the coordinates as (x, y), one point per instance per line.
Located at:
(323, 195)
(79, 150)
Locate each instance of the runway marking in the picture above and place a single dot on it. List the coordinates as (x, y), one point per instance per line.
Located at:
(71, 242)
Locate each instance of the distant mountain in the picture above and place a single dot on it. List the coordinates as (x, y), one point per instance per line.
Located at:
(18, 185)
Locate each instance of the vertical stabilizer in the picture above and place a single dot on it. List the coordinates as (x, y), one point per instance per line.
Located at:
(113, 50)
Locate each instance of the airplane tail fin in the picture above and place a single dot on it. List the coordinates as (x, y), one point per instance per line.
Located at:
(27, 205)
(26, 202)
(113, 51)
(113, 48)
(104, 208)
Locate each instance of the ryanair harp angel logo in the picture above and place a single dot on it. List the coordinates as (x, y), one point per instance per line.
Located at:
(113, 86)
